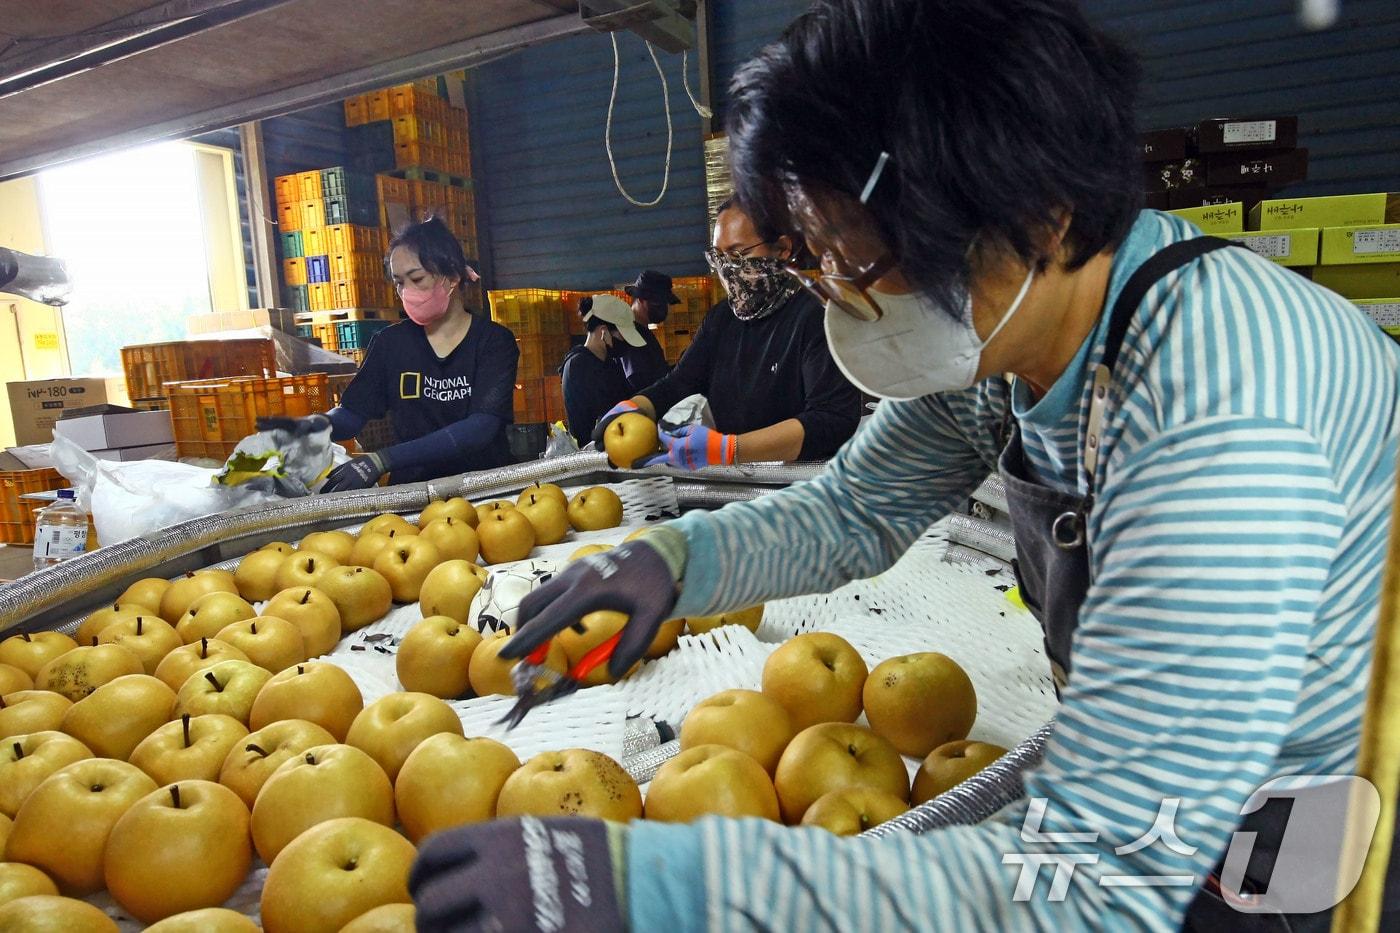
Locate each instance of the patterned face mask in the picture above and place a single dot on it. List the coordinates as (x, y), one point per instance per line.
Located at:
(756, 285)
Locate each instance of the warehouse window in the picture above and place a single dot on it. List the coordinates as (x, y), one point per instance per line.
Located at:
(145, 235)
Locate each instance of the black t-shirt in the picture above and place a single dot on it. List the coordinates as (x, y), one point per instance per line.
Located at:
(758, 373)
(403, 377)
(592, 386)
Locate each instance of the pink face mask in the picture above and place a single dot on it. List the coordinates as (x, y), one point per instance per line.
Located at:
(426, 305)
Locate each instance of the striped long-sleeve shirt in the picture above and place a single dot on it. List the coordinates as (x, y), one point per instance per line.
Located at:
(1245, 486)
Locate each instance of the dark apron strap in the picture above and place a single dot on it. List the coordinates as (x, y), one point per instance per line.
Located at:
(1157, 267)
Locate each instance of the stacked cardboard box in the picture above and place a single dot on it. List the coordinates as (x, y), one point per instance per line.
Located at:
(1222, 161)
(1349, 243)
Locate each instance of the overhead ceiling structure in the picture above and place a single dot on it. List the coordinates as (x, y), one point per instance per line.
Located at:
(82, 77)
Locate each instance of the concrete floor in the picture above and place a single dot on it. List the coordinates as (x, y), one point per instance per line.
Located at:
(15, 561)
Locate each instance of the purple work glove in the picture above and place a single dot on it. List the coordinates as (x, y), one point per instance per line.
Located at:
(694, 447)
(611, 415)
(525, 874)
(632, 578)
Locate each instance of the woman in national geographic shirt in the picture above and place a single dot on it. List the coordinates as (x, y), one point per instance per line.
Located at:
(445, 376)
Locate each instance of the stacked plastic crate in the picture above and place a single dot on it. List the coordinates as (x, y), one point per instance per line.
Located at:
(538, 318)
(418, 141)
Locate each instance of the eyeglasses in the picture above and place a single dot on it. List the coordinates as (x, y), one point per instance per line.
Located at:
(716, 257)
(849, 291)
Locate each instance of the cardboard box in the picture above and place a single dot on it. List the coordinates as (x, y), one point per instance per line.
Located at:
(36, 405)
(1285, 247)
(282, 319)
(1384, 311)
(1217, 218)
(149, 452)
(1202, 197)
(1166, 176)
(1163, 145)
(1342, 210)
(1381, 280)
(1231, 133)
(116, 431)
(1274, 169)
(1364, 244)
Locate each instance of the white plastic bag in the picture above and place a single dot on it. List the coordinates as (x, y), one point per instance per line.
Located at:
(139, 497)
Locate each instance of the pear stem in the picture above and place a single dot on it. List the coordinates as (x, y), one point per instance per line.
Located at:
(250, 747)
(203, 648)
(25, 636)
(175, 795)
(2, 702)
(185, 724)
(305, 597)
(139, 622)
(253, 628)
(209, 676)
(19, 751)
(301, 669)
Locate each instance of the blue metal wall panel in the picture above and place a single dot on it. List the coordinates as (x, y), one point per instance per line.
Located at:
(543, 184)
(1208, 58)
(738, 29)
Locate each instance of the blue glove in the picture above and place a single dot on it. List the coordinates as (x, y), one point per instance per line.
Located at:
(611, 415)
(524, 874)
(632, 578)
(693, 447)
(360, 473)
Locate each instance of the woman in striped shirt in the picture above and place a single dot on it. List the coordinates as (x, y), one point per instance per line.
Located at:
(1199, 446)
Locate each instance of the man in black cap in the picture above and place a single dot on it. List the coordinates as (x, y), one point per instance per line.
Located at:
(651, 297)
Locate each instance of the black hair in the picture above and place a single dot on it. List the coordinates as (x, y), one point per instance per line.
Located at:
(437, 249)
(768, 228)
(998, 116)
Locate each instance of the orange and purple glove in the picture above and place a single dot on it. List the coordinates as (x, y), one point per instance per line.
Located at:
(693, 447)
(609, 416)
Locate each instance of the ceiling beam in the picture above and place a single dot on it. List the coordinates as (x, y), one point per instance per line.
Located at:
(465, 54)
(120, 38)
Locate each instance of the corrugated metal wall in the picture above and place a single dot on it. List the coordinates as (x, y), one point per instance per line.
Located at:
(551, 216)
(555, 217)
(1251, 57)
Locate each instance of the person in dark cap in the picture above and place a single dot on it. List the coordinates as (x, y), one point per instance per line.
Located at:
(619, 358)
(651, 297)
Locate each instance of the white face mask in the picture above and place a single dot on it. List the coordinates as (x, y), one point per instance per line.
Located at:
(914, 349)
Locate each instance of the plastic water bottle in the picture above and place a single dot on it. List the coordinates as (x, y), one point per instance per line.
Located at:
(61, 531)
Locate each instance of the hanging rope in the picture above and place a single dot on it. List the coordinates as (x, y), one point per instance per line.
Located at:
(607, 130)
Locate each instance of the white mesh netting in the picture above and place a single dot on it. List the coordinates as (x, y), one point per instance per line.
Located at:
(922, 603)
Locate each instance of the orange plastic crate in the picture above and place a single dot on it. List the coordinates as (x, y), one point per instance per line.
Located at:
(377, 106)
(540, 356)
(289, 217)
(529, 401)
(288, 189)
(349, 238)
(554, 399)
(211, 416)
(149, 366)
(356, 110)
(294, 271)
(16, 514)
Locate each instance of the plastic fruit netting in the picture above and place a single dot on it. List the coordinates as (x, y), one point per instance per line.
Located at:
(922, 603)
